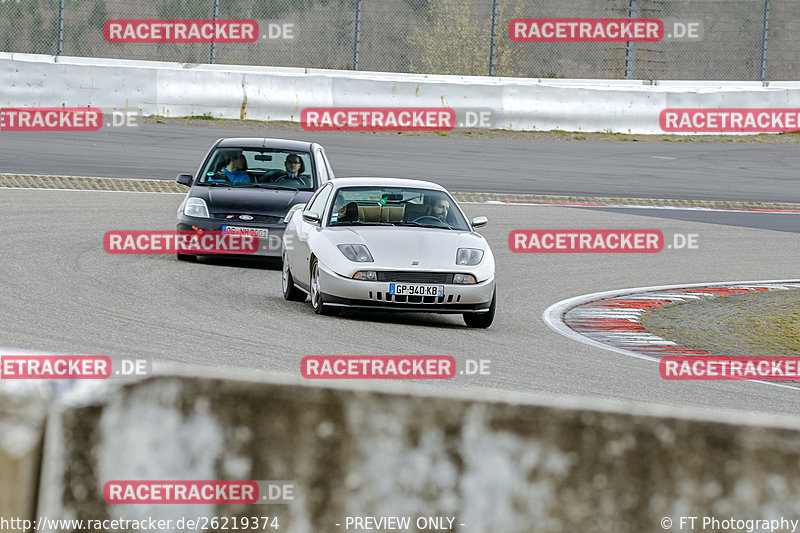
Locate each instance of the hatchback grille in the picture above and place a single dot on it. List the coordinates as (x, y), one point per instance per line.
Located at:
(416, 277)
(234, 217)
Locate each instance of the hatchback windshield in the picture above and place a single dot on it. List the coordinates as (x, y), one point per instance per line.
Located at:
(396, 206)
(253, 167)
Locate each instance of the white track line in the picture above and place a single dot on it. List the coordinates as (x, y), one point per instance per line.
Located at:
(762, 211)
(554, 314)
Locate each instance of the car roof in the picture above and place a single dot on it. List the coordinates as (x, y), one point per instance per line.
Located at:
(261, 142)
(385, 182)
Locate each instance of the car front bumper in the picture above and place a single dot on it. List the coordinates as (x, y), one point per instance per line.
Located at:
(269, 247)
(347, 292)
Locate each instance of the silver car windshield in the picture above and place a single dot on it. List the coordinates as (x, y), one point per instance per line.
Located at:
(396, 206)
(259, 168)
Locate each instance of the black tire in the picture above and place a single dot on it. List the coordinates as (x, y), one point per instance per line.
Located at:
(482, 320)
(186, 257)
(317, 298)
(290, 292)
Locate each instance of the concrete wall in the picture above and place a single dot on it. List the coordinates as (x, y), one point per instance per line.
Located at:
(499, 464)
(22, 419)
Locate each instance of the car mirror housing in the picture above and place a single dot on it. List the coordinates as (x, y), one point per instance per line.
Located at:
(311, 217)
(184, 179)
(478, 222)
(294, 208)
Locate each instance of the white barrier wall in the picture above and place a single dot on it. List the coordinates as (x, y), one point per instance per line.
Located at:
(503, 463)
(270, 93)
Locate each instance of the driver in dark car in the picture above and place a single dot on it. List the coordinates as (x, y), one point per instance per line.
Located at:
(294, 169)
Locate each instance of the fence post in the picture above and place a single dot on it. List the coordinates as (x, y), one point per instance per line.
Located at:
(494, 34)
(357, 39)
(60, 28)
(214, 43)
(630, 49)
(764, 41)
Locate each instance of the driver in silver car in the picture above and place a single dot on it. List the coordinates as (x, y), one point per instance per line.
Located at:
(439, 209)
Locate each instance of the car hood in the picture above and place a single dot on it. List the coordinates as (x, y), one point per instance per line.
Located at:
(399, 247)
(247, 200)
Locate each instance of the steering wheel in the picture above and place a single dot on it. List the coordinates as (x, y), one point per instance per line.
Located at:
(429, 217)
(294, 182)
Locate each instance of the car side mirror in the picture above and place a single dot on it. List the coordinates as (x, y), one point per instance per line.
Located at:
(479, 222)
(185, 179)
(311, 218)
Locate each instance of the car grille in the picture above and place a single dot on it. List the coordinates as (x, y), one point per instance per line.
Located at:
(416, 277)
(234, 217)
(404, 299)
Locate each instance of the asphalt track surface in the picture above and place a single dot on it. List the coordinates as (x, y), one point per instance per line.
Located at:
(751, 171)
(62, 293)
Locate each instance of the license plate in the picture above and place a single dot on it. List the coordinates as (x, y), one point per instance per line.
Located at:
(262, 233)
(415, 289)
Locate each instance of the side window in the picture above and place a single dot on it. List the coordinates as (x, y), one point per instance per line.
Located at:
(317, 204)
(322, 169)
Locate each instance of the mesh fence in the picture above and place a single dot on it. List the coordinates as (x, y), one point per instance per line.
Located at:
(739, 39)
(783, 59)
(730, 47)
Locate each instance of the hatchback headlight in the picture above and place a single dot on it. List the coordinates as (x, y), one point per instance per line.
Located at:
(357, 253)
(469, 256)
(195, 207)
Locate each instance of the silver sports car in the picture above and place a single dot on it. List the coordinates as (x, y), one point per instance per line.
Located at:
(381, 243)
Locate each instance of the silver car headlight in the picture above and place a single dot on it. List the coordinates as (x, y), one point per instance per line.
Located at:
(357, 253)
(464, 279)
(469, 256)
(295, 207)
(195, 207)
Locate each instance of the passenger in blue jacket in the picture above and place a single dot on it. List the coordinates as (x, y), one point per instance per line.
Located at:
(236, 169)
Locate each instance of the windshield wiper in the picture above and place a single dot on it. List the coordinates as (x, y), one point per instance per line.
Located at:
(280, 187)
(418, 225)
(360, 223)
(216, 183)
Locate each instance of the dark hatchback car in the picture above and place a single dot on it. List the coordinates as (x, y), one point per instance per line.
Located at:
(250, 185)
